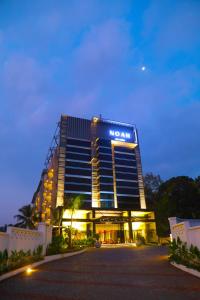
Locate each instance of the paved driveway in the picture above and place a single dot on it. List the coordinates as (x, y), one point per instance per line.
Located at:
(116, 273)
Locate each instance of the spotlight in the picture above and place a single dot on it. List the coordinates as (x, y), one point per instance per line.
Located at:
(29, 270)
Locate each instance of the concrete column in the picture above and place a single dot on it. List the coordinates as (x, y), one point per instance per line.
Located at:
(172, 221)
(121, 233)
(46, 231)
(94, 228)
(130, 230)
(93, 222)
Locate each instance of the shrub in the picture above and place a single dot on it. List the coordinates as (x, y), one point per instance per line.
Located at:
(96, 236)
(181, 254)
(3, 256)
(140, 240)
(89, 242)
(18, 259)
(3, 261)
(37, 253)
(57, 245)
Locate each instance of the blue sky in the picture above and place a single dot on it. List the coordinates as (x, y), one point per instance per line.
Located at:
(84, 58)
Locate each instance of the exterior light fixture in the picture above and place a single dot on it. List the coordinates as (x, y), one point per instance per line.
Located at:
(29, 271)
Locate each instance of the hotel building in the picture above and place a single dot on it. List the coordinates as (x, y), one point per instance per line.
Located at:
(98, 160)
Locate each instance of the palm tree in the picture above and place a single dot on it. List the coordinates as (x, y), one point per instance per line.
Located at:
(57, 216)
(25, 219)
(72, 203)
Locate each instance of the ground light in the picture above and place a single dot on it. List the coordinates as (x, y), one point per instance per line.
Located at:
(29, 271)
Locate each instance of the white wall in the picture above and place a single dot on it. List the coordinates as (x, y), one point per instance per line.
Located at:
(194, 235)
(25, 239)
(4, 239)
(186, 232)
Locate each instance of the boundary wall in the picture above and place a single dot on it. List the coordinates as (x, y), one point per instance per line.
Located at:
(16, 238)
(187, 230)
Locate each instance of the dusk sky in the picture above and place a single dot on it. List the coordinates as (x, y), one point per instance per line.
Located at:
(131, 61)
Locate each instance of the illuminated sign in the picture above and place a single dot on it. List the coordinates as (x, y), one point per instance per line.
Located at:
(120, 135)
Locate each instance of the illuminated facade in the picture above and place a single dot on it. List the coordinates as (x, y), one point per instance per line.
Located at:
(98, 160)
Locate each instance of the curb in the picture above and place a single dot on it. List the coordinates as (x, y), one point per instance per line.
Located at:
(33, 265)
(185, 269)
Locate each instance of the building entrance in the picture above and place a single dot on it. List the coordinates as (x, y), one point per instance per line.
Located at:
(110, 233)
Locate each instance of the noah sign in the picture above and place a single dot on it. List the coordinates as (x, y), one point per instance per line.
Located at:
(120, 135)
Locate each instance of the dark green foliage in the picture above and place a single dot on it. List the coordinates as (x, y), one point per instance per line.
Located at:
(3, 228)
(71, 203)
(3, 256)
(57, 215)
(140, 240)
(96, 236)
(89, 242)
(182, 195)
(19, 259)
(197, 182)
(26, 217)
(61, 245)
(181, 254)
(178, 196)
(37, 253)
(57, 245)
(151, 185)
(3, 261)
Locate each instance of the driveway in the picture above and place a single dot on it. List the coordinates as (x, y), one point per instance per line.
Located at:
(115, 273)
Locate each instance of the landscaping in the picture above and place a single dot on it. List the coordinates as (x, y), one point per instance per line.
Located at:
(60, 244)
(19, 259)
(180, 253)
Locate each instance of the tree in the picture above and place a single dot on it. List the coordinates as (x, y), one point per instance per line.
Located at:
(177, 197)
(57, 216)
(197, 182)
(72, 203)
(151, 185)
(3, 228)
(26, 218)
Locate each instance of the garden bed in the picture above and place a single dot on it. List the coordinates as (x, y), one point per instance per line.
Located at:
(186, 269)
(18, 259)
(184, 257)
(45, 259)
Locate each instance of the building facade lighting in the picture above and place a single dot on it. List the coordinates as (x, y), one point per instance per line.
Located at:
(100, 161)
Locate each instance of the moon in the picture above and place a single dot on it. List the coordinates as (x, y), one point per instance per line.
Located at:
(143, 68)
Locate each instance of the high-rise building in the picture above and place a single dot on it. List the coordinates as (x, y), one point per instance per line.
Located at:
(98, 161)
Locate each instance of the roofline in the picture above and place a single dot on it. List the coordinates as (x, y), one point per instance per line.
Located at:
(103, 120)
(118, 123)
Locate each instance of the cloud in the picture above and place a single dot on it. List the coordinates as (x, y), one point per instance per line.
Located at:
(14, 194)
(102, 50)
(51, 22)
(23, 75)
(172, 27)
(81, 58)
(166, 110)
(83, 104)
(25, 85)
